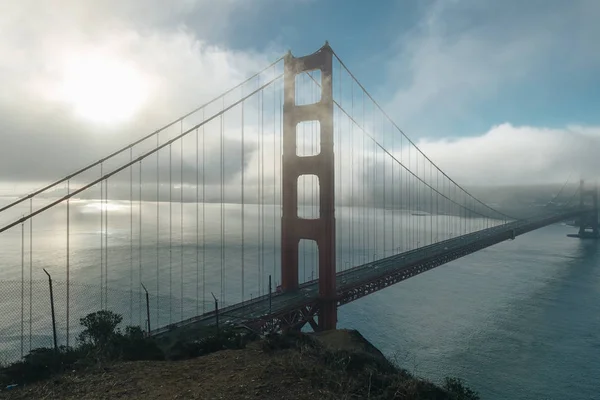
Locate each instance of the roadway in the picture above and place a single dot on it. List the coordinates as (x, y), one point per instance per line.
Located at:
(361, 280)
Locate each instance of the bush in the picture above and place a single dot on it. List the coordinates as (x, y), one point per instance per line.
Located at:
(288, 340)
(224, 339)
(134, 346)
(39, 364)
(459, 390)
(357, 373)
(100, 328)
(101, 340)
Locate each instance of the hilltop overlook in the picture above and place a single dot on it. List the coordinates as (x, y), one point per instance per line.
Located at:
(330, 365)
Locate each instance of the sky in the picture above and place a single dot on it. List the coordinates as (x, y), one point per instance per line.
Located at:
(495, 92)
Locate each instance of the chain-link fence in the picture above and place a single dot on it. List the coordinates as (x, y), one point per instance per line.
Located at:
(26, 312)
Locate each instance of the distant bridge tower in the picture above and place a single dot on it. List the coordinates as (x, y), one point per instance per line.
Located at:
(294, 228)
(588, 225)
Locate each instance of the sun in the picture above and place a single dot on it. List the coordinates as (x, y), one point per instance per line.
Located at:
(103, 90)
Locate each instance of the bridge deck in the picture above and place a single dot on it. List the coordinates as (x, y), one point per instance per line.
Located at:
(361, 280)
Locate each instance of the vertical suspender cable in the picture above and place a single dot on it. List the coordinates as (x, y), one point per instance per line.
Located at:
(30, 270)
(410, 192)
(374, 191)
(393, 249)
(422, 200)
(274, 177)
(262, 179)
(258, 198)
(364, 186)
(401, 198)
(170, 235)
(312, 90)
(341, 176)
(406, 201)
(222, 211)
(101, 239)
(203, 217)
(68, 260)
(181, 222)
(445, 210)
(243, 167)
(352, 176)
(280, 157)
(336, 123)
(140, 248)
(430, 205)
(384, 211)
(437, 204)
(157, 231)
(458, 212)
(465, 211)
(197, 225)
(22, 287)
(416, 203)
(131, 238)
(106, 246)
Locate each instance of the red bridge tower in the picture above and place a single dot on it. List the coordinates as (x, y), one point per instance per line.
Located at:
(294, 228)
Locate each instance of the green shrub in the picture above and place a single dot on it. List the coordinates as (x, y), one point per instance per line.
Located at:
(100, 328)
(134, 346)
(358, 373)
(101, 340)
(361, 373)
(459, 390)
(39, 364)
(288, 340)
(224, 339)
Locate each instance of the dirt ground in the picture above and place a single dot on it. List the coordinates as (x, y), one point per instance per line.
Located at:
(301, 372)
(229, 374)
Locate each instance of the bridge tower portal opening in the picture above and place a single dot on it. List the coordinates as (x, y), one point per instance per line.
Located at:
(322, 228)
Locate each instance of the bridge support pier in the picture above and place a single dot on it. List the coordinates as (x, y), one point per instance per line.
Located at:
(294, 228)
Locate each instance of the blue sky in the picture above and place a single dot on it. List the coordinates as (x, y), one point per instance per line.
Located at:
(498, 80)
(541, 56)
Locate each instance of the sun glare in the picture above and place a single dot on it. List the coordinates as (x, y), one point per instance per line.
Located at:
(103, 90)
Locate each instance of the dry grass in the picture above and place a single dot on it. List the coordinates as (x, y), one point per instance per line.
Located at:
(334, 365)
(228, 374)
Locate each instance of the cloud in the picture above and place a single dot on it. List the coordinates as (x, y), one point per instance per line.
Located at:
(458, 55)
(463, 53)
(133, 50)
(519, 155)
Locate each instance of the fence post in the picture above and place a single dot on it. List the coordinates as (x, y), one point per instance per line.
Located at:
(216, 310)
(270, 308)
(52, 310)
(147, 307)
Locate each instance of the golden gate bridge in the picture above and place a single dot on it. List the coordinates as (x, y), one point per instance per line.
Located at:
(280, 200)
